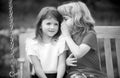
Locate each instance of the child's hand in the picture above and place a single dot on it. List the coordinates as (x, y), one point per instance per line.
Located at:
(71, 60)
(65, 29)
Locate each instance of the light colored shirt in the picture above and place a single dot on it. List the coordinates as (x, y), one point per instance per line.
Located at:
(47, 54)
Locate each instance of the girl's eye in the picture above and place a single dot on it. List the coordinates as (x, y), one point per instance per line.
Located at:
(48, 23)
(56, 24)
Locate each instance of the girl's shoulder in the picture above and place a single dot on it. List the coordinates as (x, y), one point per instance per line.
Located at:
(31, 41)
(90, 34)
(61, 39)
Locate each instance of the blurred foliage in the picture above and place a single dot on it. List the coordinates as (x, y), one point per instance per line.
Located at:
(5, 52)
(37, 4)
(3, 6)
(105, 12)
(5, 57)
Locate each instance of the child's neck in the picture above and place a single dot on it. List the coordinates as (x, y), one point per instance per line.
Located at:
(46, 39)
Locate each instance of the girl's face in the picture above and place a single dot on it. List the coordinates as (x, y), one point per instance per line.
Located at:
(68, 21)
(50, 27)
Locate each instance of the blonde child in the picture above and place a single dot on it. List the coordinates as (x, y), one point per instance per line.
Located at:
(46, 51)
(79, 34)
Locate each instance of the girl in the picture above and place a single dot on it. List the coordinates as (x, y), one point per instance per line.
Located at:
(78, 31)
(46, 50)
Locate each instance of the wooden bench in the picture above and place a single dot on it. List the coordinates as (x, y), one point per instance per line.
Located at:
(109, 50)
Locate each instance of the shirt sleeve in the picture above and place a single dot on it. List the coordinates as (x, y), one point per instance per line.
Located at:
(62, 45)
(91, 40)
(30, 48)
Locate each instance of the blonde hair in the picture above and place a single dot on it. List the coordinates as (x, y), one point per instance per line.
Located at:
(79, 12)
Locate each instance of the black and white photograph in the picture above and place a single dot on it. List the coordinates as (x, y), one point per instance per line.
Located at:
(59, 39)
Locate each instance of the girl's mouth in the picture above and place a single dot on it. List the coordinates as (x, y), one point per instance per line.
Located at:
(51, 30)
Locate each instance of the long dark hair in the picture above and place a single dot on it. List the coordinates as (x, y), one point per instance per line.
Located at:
(45, 13)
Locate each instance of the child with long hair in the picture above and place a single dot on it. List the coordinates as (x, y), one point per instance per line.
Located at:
(79, 34)
(46, 51)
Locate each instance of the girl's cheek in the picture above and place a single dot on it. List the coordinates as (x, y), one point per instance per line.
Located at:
(70, 23)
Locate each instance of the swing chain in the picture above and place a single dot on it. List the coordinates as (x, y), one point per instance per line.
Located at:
(12, 52)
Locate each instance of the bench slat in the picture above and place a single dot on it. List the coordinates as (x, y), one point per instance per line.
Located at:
(114, 30)
(26, 71)
(108, 36)
(26, 67)
(108, 57)
(117, 41)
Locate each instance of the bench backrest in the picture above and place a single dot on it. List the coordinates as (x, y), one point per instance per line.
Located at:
(109, 50)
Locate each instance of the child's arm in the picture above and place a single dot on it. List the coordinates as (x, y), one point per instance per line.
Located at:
(78, 50)
(89, 41)
(61, 65)
(38, 67)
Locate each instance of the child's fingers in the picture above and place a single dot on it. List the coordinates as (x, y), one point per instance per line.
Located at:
(74, 59)
(73, 64)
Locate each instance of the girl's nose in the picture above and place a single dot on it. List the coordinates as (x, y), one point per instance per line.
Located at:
(52, 26)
